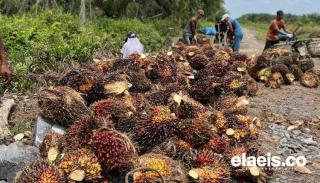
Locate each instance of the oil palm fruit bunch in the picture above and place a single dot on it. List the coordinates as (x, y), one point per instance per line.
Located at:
(198, 61)
(80, 165)
(218, 144)
(251, 174)
(51, 142)
(80, 133)
(215, 68)
(114, 150)
(238, 66)
(125, 65)
(204, 90)
(222, 55)
(87, 81)
(310, 80)
(285, 72)
(209, 50)
(235, 82)
(196, 131)
(236, 56)
(202, 39)
(296, 71)
(140, 83)
(154, 128)
(40, 171)
(154, 168)
(184, 106)
(217, 172)
(306, 64)
(104, 66)
(116, 84)
(177, 149)
(230, 104)
(275, 80)
(191, 51)
(161, 96)
(205, 157)
(61, 105)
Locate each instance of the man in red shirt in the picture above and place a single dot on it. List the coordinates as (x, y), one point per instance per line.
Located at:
(275, 29)
(4, 65)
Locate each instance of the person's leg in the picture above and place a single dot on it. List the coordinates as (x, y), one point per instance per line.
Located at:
(187, 39)
(236, 43)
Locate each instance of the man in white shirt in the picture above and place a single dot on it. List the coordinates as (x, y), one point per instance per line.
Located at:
(132, 45)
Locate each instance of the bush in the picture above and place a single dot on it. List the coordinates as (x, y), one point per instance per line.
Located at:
(54, 40)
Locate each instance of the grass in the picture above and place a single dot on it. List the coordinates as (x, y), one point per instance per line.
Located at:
(261, 29)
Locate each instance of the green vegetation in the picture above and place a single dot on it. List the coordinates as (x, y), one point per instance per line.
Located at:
(309, 24)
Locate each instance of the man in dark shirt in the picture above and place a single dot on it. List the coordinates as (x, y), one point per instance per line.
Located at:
(275, 29)
(4, 69)
(190, 29)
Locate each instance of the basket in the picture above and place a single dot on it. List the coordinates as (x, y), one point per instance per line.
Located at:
(314, 47)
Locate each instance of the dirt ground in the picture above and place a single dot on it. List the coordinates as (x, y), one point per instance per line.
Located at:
(286, 106)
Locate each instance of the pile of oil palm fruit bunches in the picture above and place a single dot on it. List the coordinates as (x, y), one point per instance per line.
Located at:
(281, 66)
(176, 116)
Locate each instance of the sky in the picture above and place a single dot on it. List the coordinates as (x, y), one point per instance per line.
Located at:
(236, 8)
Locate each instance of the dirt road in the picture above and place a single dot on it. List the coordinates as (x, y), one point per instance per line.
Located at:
(291, 106)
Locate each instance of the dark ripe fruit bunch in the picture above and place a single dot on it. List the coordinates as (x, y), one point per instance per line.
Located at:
(285, 72)
(177, 149)
(114, 150)
(204, 90)
(165, 166)
(80, 133)
(202, 39)
(87, 81)
(161, 96)
(237, 150)
(236, 56)
(219, 121)
(209, 50)
(40, 172)
(184, 106)
(235, 82)
(238, 66)
(226, 102)
(274, 53)
(205, 157)
(61, 105)
(191, 51)
(198, 61)
(152, 129)
(136, 102)
(140, 83)
(125, 65)
(196, 131)
(222, 55)
(210, 174)
(104, 66)
(116, 84)
(51, 140)
(163, 69)
(218, 144)
(216, 68)
(275, 80)
(81, 160)
(310, 80)
(296, 71)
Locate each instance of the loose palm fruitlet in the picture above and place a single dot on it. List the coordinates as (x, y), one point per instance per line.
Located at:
(153, 129)
(87, 81)
(61, 105)
(114, 150)
(80, 165)
(40, 172)
(153, 168)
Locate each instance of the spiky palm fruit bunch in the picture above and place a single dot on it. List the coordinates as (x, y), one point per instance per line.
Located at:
(306, 64)
(225, 102)
(114, 150)
(40, 172)
(104, 66)
(237, 150)
(140, 83)
(310, 80)
(264, 74)
(275, 80)
(154, 128)
(238, 66)
(210, 174)
(87, 81)
(177, 149)
(61, 105)
(285, 72)
(209, 50)
(111, 108)
(216, 68)
(161, 96)
(191, 51)
(82, 161)
(136, 103)
(296, 71)
(274, 53)
(222, 55)
(219, 121)
(184, 67)
(196, 131)
(184, 106)
(236, 56)
(218, 144)
(286, 60)
(163, 165)
(252, 87)
(235, 82)
(116, 84)
(205, 157)
(80, 133)
(202, 39)
(125, 65)
(204, 90)
(51, 141)
(198, 61)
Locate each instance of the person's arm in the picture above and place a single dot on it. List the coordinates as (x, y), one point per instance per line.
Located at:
(193, 26)
(230, 26)
(5, 71)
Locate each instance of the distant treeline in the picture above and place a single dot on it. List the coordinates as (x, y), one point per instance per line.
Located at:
(290, 18)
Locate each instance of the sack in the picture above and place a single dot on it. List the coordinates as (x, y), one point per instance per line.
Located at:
(210, 31)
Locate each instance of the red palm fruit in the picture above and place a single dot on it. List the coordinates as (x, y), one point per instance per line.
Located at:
(61, 105)
(204, 158)
(40, 172)
(237, 150)
(114, 150)
(51, 140)
(152, 129)
(218, 144)
(81, 160)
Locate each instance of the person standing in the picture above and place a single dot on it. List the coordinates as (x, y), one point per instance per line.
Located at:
(275, 29)
(235, 29)
(189, 32)
(4, 69)
(132, 45)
